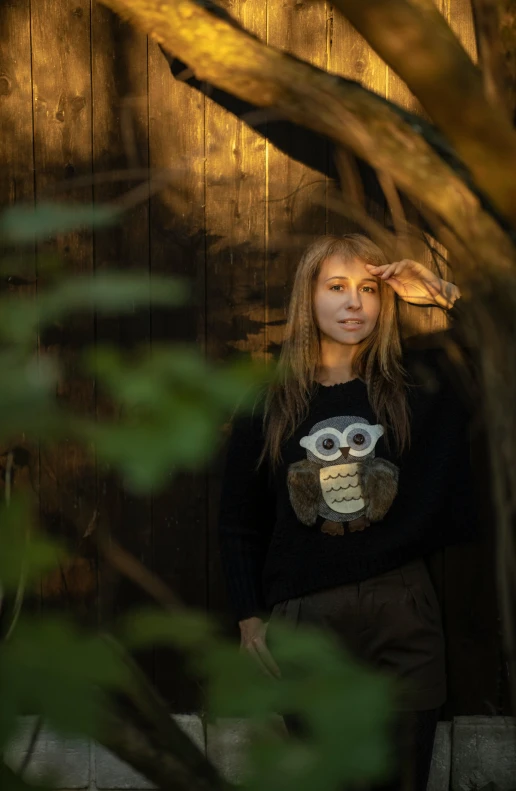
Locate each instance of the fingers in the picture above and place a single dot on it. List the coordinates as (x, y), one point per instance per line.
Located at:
(385, 271)
(256, 647)
(268, 660)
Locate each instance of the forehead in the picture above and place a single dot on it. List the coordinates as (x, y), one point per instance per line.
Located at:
(339, 266)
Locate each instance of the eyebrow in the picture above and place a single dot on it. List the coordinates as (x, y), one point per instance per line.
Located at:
(343, 277)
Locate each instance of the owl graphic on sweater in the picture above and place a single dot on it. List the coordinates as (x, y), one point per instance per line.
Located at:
(341, 480)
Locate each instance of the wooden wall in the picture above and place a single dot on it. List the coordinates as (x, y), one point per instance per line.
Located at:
(89, 109)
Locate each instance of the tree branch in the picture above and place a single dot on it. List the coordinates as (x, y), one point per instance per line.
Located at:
(341, 110)
(134, 745)
(161, 732)
(414, 39)
(491, 56)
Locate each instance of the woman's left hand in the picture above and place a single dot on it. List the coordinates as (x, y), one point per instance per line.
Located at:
(415, 283)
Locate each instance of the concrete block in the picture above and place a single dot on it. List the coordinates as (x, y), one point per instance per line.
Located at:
(66, 761)
(227, 743)
(440, 770)
(112, 773)
(483, 752)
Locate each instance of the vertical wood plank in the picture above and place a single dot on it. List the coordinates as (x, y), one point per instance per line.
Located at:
(296, 212)
(475, 664)
(16, 132)
(120, 143)
(351, 56)
(460, 16)
(176, 143)
(416, 320)
(17, 186)
(62, 150)
(235, 237)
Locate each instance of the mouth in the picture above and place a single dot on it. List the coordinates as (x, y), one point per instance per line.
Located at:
(351, 322)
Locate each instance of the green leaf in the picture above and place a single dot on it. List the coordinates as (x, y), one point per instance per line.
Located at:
(27, 224)
(110, 292)
(347, 708)
(150, 627)
(27, 395)
(51, 668)
(23, 553)
(173, 404)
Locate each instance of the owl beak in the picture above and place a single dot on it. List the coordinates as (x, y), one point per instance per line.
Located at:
(345, 451)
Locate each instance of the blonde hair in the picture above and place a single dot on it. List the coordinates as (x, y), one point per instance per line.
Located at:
(377, 360)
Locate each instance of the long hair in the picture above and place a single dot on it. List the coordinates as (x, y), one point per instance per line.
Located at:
(377, 359)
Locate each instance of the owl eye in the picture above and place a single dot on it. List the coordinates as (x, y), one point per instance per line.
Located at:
(327, 445)
(360, 440)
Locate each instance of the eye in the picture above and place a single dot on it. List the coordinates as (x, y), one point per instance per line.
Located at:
(335, 286)
(359, 439)
(327, 445)
(369, 288)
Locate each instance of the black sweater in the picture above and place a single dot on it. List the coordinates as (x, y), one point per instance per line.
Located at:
(269, 555)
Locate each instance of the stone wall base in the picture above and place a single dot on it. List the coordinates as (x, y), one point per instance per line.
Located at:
(469, 753)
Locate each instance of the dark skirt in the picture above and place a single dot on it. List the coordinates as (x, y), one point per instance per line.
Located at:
(391, 622)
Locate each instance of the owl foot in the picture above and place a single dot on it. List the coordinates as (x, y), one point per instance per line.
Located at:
(332, 528)
(358, 524)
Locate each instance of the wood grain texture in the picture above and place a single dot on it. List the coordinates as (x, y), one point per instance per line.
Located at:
(235, 261)
(61, 51)
(351, 56)
(120, 143)
(476, 671)
(296, 194)
(176, 145)
(17, 186)
(234, 218)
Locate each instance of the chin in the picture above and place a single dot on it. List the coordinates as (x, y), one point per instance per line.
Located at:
(349, 338)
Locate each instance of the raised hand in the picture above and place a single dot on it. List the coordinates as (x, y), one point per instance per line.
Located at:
(415, 283)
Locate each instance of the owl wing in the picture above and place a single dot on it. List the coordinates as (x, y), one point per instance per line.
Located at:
(379, 480)
(304, 490)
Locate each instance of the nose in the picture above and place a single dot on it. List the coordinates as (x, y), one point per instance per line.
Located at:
(353, 298)
(345, 452)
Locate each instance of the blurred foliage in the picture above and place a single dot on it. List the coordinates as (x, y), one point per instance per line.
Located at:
(169, 407)
(345, 707)
(24, 554)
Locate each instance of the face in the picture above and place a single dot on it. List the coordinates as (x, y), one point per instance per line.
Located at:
(346, 300)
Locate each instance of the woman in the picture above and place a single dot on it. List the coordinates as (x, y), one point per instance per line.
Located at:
(353, 471)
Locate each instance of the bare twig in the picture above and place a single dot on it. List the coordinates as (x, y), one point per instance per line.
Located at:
(398, 215)
(350, 181)
(133, 569)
